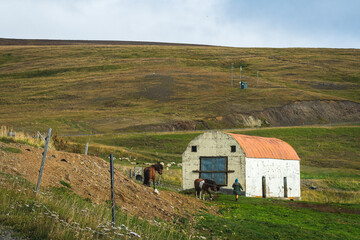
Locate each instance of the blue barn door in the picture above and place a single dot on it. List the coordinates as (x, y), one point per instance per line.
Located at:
(214, 168)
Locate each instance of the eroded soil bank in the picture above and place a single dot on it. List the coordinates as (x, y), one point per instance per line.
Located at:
(293, 114)
(89, 177)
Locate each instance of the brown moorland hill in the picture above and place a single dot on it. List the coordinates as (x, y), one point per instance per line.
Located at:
(98, 87)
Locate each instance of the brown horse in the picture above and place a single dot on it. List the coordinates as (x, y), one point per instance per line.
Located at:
(150, 173)
(203, 185)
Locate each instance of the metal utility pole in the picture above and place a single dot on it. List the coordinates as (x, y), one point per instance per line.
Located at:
(112, 189)
(232, 74)
(47, 140)
(240, 76)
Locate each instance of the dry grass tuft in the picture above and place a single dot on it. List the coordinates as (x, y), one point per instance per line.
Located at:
(22, 137)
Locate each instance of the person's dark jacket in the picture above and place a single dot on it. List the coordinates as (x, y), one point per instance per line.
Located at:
(237, 187)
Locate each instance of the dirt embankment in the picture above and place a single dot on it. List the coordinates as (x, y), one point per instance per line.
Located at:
(312, 112)
(293, 114)
(299, 113)
(89, 177)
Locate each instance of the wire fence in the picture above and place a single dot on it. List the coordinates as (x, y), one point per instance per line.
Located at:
(105, 229)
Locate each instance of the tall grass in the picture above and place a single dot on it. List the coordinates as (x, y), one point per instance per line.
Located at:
(329, 195)
(57, 213)
(9, 135)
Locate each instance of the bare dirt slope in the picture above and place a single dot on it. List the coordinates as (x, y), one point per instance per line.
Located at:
(89, 177)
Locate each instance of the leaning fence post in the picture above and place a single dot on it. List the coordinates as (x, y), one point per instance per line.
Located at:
(43, 160)
(112, 189)
(86, 148)
(39, 134)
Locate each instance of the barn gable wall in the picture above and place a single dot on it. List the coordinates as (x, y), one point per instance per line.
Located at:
(249, 170)
(213, 144)
(274, 171)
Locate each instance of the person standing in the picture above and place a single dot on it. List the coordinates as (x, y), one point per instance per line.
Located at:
(237, 189)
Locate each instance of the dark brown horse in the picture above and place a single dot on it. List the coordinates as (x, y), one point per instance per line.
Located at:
(203, 185)
(150, 173)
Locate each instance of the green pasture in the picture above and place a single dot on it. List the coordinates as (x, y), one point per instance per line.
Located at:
(57, 213)
(330, 211)
(252, 218)
(325, 147)
(330, 156)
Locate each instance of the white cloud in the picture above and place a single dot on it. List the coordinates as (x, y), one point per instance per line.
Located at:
(216, 22)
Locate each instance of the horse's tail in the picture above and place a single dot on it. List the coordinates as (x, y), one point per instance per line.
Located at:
(146, 176)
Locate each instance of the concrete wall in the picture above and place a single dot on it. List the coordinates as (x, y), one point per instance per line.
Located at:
(213, 144)
(274, 171)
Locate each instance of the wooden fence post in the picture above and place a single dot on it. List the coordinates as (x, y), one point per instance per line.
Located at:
(39, 134)
(112, 189)
(86, 148)
(43, 160)
(285, 188)
(263, 187)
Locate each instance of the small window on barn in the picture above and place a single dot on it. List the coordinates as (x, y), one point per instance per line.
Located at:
(233, 148)
(194, 148)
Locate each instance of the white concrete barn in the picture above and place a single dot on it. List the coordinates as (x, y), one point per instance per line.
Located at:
(265, 167)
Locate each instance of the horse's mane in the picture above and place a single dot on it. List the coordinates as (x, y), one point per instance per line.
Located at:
(210, 181)
(158, 166)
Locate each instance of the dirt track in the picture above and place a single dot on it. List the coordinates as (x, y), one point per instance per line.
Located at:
(89, 177)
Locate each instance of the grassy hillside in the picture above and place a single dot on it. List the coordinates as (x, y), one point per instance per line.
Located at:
(105, 88)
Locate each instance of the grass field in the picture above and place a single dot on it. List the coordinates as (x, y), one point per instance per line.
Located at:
(330, 156)
(57, 213)
(251, 218)
(94, 88)
(331, 211)
(311, 143)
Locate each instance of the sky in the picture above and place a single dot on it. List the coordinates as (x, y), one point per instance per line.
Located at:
(235, 23)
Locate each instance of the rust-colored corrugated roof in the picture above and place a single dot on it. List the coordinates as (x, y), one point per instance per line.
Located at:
(261, 147)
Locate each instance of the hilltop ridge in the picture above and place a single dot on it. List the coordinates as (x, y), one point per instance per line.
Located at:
(41, 42)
